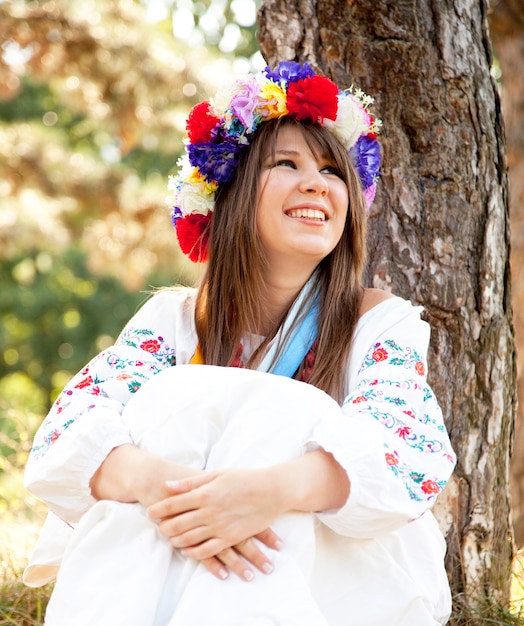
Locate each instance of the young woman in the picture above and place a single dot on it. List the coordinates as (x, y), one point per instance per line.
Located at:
(296, 445)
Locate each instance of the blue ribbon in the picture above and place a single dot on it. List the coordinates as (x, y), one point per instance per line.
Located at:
(300, 340)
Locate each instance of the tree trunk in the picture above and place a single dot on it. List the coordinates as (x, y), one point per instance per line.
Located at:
(507, 27)
(439, 232)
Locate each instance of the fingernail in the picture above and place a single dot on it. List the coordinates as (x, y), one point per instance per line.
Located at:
(223, 573)
(248, 575)
(279, 544)
(267, 568)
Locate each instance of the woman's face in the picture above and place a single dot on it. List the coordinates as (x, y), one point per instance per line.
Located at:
(303, 203)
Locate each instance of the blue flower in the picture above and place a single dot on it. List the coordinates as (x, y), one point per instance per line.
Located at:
(290, 71)
(217, 162)
(176, 214)
(366, 158)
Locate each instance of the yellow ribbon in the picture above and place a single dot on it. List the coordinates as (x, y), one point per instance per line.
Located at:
(197, 358)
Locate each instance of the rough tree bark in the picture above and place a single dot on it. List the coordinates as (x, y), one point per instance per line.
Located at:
(507, 27)
(439, 231)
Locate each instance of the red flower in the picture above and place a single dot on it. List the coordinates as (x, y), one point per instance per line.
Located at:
(55, 435)
(373, 134)
(200, 123)
(403, 431)
(313, 98)
(151, 345)
(430, 486)
(360, 399)
(84, 383)
(419, 367)
(193, 234)
(391, 459)
(379, 355)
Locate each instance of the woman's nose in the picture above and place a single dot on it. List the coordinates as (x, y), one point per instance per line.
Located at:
(314, 182)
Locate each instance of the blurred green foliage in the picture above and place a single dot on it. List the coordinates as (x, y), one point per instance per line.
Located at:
(54, 315)
(93, 100)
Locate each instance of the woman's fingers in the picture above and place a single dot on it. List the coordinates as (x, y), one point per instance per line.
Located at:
(270, 539)
(253, 554)
(188, 484)
(240, 559)
(216, 567)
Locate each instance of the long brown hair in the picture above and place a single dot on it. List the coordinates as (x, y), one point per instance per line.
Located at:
(231, 297)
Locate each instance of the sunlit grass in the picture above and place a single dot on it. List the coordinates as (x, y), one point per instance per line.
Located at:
(19, 605)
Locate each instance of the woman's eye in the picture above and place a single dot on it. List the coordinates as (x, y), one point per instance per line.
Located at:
(284, 163)
(331, 169)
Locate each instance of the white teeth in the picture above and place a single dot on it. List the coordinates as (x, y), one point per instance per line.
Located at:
(312, 214)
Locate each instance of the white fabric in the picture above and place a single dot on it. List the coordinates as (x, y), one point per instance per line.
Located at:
(373, 564)
(245, 419)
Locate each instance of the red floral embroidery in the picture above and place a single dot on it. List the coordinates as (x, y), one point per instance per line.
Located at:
(360, 399)
(391, 459)
(54, 436)
(379, 355)
(403, 431)
(430, 486)
(124, 376)
(151, 346)
(84, 383)
(237, 361)
(309, 362)
(419, 367)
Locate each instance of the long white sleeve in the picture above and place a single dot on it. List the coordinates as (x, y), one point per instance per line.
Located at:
(85, 424)
(390, 436)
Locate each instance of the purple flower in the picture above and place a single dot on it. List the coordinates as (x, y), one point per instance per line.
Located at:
(366, 158)
(176, 214)
(290, 71)
(245, 101)
(216, 162)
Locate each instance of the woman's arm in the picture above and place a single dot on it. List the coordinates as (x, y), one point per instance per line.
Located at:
(130, 474)
(85, 424)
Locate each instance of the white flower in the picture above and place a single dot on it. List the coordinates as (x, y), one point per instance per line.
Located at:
(220, 103)
(194, 198)
(352, 120)
(190, 194)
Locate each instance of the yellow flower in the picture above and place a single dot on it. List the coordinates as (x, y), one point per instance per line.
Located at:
(275, 101)
(196, 178)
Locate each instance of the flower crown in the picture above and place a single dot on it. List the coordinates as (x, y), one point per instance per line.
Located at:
(219, 130)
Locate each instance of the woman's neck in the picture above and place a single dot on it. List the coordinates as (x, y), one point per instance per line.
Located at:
(280, 294)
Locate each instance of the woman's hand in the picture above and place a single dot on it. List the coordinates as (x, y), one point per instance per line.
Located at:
(239, 557)
(212, 512)
(217, 515)
(130, 474)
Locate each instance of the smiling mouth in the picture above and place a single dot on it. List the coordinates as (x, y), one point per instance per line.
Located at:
(310, 214)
